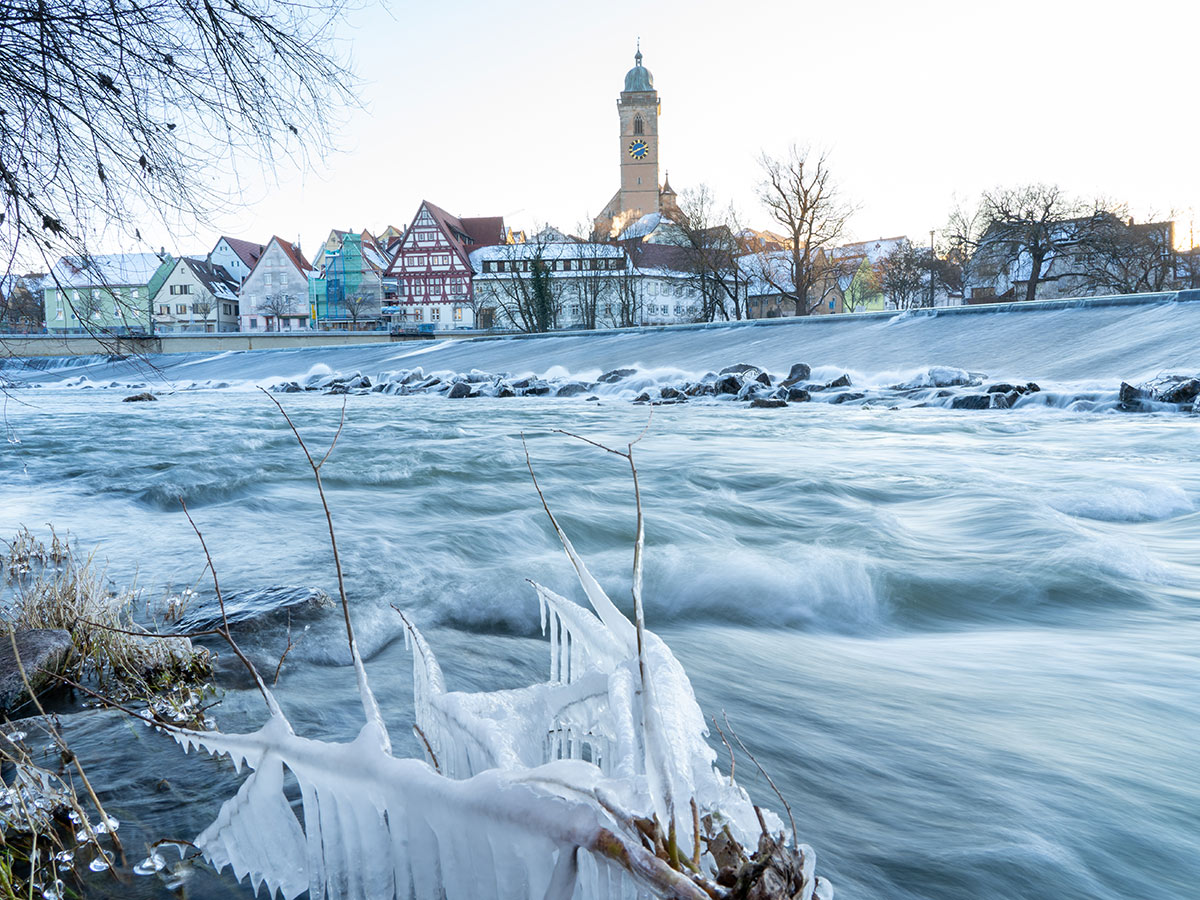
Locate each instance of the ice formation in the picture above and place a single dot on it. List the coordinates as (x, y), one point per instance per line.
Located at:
(541, 793)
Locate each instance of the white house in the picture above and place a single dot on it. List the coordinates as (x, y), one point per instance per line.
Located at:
(274, 296)
(197, 295)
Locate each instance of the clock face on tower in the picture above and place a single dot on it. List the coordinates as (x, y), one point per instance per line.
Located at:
(639, 149)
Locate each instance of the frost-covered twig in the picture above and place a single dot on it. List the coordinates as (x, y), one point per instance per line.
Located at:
(770, 781)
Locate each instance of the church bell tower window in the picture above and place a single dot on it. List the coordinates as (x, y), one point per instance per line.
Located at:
(638, 126)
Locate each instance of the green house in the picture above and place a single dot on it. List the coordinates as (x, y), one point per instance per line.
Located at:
(107, 294)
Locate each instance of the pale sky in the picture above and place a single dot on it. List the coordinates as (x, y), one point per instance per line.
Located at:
(510, 108)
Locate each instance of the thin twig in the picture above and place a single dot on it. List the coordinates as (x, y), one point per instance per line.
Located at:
(428, 749)
(795, 838)
(286, 650)
(70, 754)
(732, 758)
(316, 467)
(224, 630)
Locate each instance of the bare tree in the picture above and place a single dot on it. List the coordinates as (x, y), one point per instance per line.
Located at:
(277, 306)
(525, 289)
(904, 276)
(713, 241)
(203, 307)
(1019, 232)
(21, 303)
(623, 307)
(113, 112)
(359, 305)
(803, 200)
(1119, 256)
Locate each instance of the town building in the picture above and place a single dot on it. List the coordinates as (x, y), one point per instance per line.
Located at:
(274, 296)
(638, 111)
(103, 294)
(236, 257)
(350, 289)
(584, 285)
(550, 284)
(1090, 255)
(432, 269)
(196, 295)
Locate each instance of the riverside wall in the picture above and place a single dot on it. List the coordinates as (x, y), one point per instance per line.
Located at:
(29, 345)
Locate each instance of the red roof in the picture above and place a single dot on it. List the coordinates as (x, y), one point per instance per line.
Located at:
(464, 235)
(247, 251)
(291, 251)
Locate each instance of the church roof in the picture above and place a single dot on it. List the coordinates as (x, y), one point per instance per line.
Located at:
(639, 78)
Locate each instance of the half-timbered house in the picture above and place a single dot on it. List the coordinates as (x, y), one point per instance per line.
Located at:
(432, 268)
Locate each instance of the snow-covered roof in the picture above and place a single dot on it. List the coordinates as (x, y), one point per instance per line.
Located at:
(874, 250)
(641, 227)
(767, 273)
(106, 270)
(551, 251)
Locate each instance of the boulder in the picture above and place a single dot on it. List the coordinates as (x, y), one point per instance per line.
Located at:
(763, 378)
(615, 375)
(506, 391)
(257, 607)
(459, 390)
(670, 393)
(767, 403)
(843, 381)
(1032, 388)
(798, 372)
(739, 369)
(338, 389)
(972, 401)
(42, 652)
(727, 384)
(798, 394)
(643, 397)
(139, 398)
(537, 389)
(1181, 392)
(571, 390)
(1001, 388)
(291, 388)
(848, 397)
(700, 389)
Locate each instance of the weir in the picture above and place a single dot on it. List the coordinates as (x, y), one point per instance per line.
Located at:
(1105, 339)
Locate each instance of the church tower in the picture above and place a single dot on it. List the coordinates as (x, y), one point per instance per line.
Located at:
(639, 109)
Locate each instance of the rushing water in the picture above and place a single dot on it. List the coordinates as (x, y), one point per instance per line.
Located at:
(966, 645)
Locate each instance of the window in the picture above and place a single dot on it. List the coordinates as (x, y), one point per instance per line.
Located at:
(639, 179)
(118, 312)
(267, 280)
(638, 126)
(133, 294)
(59, 315)
(164, 309)
(435, 314)
(254, 323)
(180, 309)
(458, 314)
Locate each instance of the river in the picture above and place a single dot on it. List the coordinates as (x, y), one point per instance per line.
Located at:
(965, 644)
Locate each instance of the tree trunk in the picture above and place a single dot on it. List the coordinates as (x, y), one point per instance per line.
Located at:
(1035, 274)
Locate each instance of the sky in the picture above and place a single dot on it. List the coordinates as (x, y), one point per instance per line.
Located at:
(510, 109)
